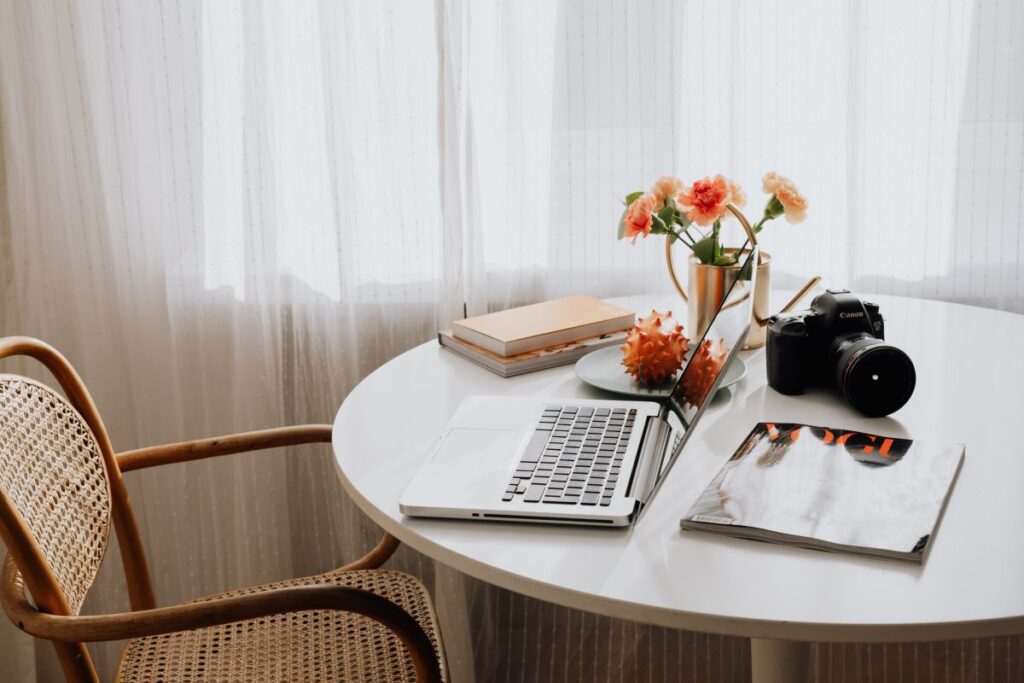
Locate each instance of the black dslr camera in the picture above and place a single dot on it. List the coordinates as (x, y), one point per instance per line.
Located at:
(839, 342)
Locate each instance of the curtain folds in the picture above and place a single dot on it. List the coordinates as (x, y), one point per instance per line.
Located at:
(228, 213)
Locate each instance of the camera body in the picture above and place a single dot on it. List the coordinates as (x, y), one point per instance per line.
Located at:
(839, 342)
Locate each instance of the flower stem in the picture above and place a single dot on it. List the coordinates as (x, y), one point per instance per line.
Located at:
(686, 237)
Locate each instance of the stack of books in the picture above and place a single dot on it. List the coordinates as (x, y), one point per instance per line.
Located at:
(538, 336)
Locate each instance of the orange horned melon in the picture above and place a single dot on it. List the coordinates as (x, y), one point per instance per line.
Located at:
(703, 370)
(654, 348)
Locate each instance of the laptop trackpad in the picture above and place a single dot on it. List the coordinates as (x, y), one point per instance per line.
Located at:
(477, 447)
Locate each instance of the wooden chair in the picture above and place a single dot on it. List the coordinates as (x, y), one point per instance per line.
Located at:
(60, 484)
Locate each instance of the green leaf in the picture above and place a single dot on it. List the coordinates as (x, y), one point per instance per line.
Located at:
(658, 227)
(725, 260)
(667, 215)
(704, 249)
(633, 196)
(622, 226)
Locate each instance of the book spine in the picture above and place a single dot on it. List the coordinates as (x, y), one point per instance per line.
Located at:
(521, 367)
(471, 336)
(483, 362)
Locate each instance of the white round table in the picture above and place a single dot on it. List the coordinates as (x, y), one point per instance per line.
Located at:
(970, 389)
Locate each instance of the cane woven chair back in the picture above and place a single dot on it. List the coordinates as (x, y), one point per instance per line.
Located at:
(52, 472)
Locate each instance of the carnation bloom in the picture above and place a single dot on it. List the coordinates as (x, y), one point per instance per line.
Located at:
(638, 220)
(707, 199)
(667, 186)
(737, 195)
(794, 204)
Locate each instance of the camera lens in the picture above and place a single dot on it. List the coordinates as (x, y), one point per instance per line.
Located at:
(876, 378)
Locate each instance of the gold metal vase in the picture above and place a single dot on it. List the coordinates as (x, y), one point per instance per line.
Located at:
(709, 284)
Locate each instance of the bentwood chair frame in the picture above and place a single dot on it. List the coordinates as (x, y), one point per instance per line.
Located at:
(53, 617)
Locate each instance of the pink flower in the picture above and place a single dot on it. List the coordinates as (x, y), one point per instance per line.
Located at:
(706, 200)
(794, 204)
(638, 219)
(666, 186)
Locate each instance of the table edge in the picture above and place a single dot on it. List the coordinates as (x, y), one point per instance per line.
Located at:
(691, 621)
(659, 616)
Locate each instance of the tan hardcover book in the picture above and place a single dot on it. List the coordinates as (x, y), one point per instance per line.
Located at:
(538, 326)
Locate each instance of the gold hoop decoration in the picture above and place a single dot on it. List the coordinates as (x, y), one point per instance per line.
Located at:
(668, 248)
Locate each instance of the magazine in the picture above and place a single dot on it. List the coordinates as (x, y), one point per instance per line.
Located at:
(831, 489)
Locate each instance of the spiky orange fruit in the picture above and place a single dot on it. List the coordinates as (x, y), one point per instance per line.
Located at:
(654, 348)
(703, 369)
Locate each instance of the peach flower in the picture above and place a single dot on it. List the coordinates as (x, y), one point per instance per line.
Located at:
(706, 200)
(638, 218)
(794, 204)
(738, 196)
(667, 186)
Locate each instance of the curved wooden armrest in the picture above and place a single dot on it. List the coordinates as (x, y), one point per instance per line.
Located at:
(378, 555)
(219, 611)
(250, 441)
(223, 445)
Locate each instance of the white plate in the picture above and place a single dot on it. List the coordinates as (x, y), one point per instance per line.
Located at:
(603, 369)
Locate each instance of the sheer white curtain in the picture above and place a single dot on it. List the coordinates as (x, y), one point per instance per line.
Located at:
(227, 213)
(901, 122)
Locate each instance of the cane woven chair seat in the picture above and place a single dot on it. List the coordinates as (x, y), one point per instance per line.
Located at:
(317, 645)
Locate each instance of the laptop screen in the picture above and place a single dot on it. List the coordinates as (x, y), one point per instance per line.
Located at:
(708, 360)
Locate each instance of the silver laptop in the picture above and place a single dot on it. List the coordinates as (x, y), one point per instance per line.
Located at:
(572, 461)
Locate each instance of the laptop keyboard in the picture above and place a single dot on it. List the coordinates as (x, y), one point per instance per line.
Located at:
(574, 456)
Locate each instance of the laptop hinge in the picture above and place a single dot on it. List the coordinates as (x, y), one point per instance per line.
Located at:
(652, 448)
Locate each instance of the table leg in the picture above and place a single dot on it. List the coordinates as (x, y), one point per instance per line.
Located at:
(778, 661)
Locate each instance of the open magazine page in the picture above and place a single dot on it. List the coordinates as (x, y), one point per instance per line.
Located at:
(831, 488)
